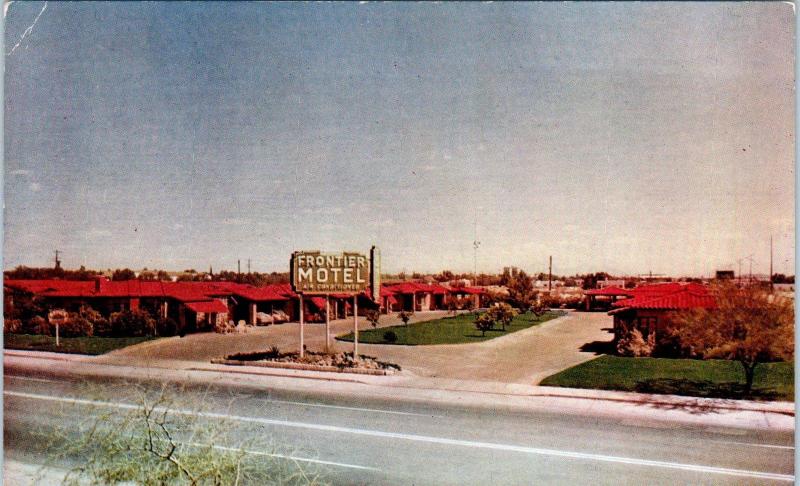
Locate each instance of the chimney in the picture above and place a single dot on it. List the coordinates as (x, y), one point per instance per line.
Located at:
(100, 284)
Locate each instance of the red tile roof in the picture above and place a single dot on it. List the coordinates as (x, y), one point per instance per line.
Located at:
(609, 291)
(467, 290)
(182, 291)
(208, 306)
(672, 296)
(319, 302)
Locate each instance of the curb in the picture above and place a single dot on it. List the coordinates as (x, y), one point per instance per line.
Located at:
(782, 408)
(302, 367)
(259, 372)
(48, 355)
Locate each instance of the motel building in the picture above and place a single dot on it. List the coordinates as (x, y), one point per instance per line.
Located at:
(648, 308)
(194, 306)
(604, 298)
(199, 306)
(421, 297)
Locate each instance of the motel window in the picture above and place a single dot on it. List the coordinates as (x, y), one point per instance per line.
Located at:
(647, 325)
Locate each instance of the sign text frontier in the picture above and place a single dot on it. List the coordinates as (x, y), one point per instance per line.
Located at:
(314, 272)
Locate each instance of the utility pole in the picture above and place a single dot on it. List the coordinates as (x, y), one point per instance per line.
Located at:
(771, 283)
(750, 259)
(475, 245)
(58, 262)
(550, 276)
(238, 267)
(248, 266)
(739, 275)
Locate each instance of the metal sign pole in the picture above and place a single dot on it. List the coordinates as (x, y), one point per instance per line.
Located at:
(302, 351)
(355, 327)
(327, 323)
(57, 341)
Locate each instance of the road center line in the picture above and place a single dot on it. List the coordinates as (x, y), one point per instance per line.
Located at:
(281, 456)
(433, 440)
(358, 409)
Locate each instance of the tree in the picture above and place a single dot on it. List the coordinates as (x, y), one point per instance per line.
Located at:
(590, 279)
(748, 325)
(520, 290)
(373, 316)
(405, 316)
(484, 322)
(147, 275)
(502, 313)
(123, 274)
(780, 278)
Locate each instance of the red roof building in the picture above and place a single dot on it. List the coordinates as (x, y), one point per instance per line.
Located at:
(204, 301)
(650, 307)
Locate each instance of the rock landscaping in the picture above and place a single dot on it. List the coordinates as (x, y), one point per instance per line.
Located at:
(311, 361)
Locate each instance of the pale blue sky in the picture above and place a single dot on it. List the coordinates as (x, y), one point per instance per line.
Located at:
(619, 137)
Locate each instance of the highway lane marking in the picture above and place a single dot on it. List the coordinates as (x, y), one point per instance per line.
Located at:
(322, 405)
(753, 444)
(281, 456)
(432, 440)
(28, 378)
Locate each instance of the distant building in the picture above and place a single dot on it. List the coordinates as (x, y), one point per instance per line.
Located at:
(724, 275)
(601, 284)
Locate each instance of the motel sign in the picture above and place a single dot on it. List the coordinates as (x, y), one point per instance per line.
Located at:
(322, 273)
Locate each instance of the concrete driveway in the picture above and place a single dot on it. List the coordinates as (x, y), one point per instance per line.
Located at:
(523, 357)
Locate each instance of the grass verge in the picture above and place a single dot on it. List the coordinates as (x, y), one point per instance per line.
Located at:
(74, 345)
(448, 330)
(690, 377)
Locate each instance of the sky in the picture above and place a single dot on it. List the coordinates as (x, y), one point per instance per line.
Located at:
(628, 138)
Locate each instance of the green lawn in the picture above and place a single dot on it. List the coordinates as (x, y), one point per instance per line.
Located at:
(78, 345)
(449, 330)
(710, 378)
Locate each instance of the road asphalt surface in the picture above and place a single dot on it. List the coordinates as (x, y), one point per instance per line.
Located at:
(378, 440)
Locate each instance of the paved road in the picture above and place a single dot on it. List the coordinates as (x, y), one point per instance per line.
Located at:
(523, 357)
(374, 440)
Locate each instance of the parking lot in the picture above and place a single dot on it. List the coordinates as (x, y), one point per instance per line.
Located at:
(523, 357)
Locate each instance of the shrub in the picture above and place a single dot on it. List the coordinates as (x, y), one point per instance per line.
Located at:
(223, 327)
(502, 313)
(132, 323)
(12, 325)
(405, 316)
(373, 316)
(484, 322)
(35, 325)
(166, 326)
(390, 337)
(634, 344)
(100, 325)
(75, 326)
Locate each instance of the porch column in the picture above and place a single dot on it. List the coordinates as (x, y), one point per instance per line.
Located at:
(252, 313)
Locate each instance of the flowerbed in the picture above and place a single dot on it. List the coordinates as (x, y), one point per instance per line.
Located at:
(312, 361)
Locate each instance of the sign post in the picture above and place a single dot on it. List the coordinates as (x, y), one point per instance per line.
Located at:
(355, 328)
(57, 317)
(327, 323)
(302, 351)
(314, 272)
